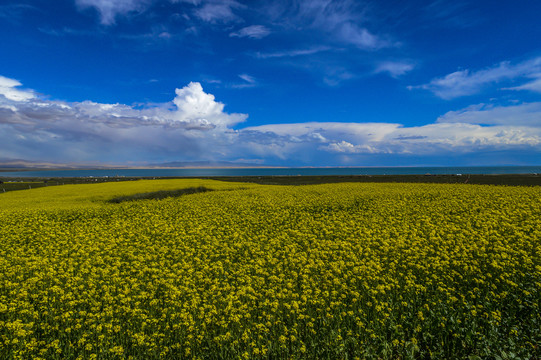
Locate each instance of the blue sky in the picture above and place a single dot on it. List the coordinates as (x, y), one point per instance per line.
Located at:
(281, 83)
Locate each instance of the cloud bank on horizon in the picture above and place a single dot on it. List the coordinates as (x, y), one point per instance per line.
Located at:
(195, 124)
(311, 83)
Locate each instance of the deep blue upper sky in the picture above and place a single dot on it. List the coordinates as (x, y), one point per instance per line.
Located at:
(293, 83)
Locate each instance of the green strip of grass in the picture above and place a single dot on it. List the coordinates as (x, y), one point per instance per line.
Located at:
(157, 195)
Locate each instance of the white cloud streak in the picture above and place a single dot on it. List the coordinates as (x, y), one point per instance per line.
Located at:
(249, 79)
(394, 68)
(360, 37)
(253, 32)
(534, 85)
(310, 27)
(218, 11)
(211, 11)
(342, 20)
(527, 114)
(293, 53)
(467, 82)
(110, 9)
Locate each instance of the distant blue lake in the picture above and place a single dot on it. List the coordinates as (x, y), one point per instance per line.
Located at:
(276, 171)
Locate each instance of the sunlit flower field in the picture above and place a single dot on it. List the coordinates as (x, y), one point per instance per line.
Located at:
(340, 271)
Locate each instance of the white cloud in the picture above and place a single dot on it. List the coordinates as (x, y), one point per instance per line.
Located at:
(334, 76)
(360, 37)
(387, 138)
(253, 31)
(534, 85)
(324, 30)
(109, 9)
(359, 131)
(394, 68)
(527, 114)
(192, 108)
(194, 126)
(193, 121)
(455, 14)
(466, 82)
(214, 11)
(196, 106)
(248, 82)
(349, 148)
(342, 20)
(249, 79)
(14, 12)
(193, 2)
(312, 27)
(293, 53)
(333, 22)
(326, 13)
(218, 11)
(465, 138)
(8, 89)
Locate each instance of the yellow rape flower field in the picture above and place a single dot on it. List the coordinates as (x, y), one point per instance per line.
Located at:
(339, 271)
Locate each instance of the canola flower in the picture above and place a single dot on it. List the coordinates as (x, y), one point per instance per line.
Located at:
(339, 271)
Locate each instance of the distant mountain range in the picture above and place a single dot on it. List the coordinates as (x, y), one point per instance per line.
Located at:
(18, 164)
(206, 164)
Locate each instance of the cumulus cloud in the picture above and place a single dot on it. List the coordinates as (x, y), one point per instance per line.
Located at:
(467, 82)
(253, 32)
(196, 106)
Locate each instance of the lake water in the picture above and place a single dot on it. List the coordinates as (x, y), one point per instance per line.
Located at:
(276, 171)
